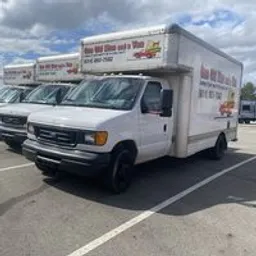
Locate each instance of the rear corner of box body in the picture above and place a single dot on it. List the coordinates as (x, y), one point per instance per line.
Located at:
(214, 104)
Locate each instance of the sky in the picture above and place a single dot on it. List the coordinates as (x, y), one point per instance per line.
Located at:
(33, 28)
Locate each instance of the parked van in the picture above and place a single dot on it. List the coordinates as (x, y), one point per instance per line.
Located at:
(165, 99)
(247, 111)
(56, 80)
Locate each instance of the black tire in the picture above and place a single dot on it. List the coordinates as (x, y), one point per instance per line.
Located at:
(119, 174)
(49, 172)
(247, 121)
(13, 144)
(218, 151)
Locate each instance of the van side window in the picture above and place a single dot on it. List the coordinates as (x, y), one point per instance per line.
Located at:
(151, 98)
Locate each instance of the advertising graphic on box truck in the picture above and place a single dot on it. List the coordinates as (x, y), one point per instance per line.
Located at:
(59, 68)
(46, 96)
(19, 74)
(164, 100)
(220, 89)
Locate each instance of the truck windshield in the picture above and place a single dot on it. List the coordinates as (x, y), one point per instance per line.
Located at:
(46, 94)
(10, 95)
(110, 93)
(3, 89)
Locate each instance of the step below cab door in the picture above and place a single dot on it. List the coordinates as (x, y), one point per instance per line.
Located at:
(155, 130)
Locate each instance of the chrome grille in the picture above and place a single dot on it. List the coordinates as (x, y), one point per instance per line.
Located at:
(14, 120)
(56, 136)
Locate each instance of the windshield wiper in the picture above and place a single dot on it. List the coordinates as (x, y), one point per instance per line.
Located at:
(65, 102)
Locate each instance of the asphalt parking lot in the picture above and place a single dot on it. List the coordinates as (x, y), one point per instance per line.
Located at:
(175, 207)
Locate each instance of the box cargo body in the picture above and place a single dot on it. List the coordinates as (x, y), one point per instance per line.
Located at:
(247, 112)
(19, 74)
(171, 94)
(206, 81)
(59, 68)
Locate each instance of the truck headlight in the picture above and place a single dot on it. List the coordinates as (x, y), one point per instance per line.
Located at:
(30, 129)
(98, 138)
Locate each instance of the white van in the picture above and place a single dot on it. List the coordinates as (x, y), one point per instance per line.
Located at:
(176, 95)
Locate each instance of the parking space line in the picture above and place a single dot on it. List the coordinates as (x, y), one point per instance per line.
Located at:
(146, 214)
(15, 167)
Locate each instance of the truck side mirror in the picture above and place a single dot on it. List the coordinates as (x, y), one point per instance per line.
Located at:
(166, 103)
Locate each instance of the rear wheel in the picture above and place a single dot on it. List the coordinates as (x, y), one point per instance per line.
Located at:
(247, 121)
(218, 151)
(119, 174)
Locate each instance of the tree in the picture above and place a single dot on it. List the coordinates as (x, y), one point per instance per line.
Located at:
(248, 91)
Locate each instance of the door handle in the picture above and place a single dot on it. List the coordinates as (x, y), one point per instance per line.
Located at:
(165, 127)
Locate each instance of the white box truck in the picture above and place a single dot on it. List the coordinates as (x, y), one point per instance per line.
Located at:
(172, 95)
(19, 80)
(57, 75)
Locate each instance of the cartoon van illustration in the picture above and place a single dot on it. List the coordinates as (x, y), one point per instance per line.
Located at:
(73, 70)
(227, 106)
(150, 51)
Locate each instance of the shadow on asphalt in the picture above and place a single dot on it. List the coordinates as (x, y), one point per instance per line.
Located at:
(155, 182)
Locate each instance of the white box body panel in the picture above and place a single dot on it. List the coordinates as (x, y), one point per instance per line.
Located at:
(19, 74)
(139, 53)
(215, 90)
(59, 68)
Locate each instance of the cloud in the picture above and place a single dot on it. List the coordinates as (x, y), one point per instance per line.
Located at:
(29, 27)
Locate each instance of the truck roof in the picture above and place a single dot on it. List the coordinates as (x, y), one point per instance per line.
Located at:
(125, 76)
(59, 57)
(24, 65)
(155, 30)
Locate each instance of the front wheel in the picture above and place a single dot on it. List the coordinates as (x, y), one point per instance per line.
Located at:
(13, 144)
(119, 174)
(49, 172)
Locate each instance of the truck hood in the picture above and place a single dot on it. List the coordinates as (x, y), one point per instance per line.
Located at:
(23, 109)
(3, 104)
(76, 117)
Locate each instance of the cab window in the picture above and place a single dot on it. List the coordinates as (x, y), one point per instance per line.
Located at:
(151, 98)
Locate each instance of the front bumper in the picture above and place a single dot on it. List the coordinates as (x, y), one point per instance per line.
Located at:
(13, 134)
(70, 160)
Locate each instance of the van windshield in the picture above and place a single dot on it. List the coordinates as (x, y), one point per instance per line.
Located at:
(109, 93)
(46, 94)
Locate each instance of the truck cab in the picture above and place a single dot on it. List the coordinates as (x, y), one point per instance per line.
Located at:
(102, 116)
(13, 118)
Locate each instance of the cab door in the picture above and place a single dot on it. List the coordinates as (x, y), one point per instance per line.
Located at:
(155, 130)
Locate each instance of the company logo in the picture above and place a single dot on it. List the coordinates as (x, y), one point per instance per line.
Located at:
(53, 135)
